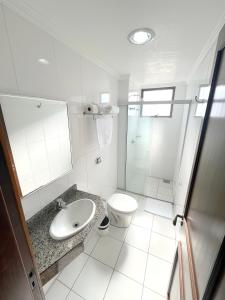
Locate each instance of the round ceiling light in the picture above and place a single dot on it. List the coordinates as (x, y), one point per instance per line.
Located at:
(141, 36)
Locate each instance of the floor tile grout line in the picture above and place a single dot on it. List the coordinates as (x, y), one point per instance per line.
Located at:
(163, 296)
(160, 258)
(163, 235)
(114, 269)
(80, 272)
(61, 284)
(143, 286)
(89, 256)
(57, 275)
(123, 241)
(141, 226)
(70, 289)
(157, 215)
(75, 294)
(132, 246)
(155, 292)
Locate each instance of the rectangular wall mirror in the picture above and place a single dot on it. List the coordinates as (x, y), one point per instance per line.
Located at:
(38, 131)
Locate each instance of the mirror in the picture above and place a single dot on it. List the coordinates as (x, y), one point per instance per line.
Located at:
(38, 131)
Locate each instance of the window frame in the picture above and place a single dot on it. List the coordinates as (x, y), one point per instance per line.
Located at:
(154, 89)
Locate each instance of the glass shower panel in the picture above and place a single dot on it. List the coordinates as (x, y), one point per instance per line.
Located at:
(138, 147)
(154, 148)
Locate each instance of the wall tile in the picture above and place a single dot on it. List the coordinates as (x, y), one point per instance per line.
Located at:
(70, 77)
(31, 204)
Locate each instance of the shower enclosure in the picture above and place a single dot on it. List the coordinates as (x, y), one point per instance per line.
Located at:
(152, 152)
(161, 142)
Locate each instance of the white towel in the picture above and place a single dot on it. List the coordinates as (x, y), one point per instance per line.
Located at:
(104, 130)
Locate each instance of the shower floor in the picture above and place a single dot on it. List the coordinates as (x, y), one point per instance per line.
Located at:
(151, 186)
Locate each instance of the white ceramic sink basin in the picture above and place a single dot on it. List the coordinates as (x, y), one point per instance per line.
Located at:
(72, 219)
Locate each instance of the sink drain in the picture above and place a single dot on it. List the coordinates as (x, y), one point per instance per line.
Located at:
(75, 225)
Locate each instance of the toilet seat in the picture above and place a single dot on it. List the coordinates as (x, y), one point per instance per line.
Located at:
(122, 203)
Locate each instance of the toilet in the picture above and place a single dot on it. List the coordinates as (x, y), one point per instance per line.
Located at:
(121, 208)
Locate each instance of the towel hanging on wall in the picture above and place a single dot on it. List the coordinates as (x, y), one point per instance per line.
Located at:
(104, 128)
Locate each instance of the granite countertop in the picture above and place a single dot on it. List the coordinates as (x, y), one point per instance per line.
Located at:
(47, 251)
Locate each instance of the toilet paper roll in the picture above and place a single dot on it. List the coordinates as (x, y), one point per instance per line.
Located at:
(91, 109)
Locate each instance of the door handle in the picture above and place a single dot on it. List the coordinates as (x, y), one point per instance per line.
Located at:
(175, 219)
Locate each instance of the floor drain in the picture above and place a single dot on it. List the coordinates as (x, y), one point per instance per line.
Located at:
(75, 225)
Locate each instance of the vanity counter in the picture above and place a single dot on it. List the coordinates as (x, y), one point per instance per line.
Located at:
(48, 251)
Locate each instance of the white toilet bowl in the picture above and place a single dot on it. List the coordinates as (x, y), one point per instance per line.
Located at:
(121, 208)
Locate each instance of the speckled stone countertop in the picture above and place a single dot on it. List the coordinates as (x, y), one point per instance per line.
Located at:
(48, 251)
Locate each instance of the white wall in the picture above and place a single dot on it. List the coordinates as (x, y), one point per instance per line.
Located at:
(69, 77)
(202, 75)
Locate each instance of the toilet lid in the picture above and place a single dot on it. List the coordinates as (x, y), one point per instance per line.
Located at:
(122, 203)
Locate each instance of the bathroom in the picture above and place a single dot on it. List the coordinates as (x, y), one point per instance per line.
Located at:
(109, 134)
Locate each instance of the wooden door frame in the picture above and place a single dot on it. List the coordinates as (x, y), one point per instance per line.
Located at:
(12, 193)
(218, 268)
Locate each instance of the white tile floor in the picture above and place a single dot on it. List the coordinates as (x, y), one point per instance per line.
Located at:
(151, 187)
(159, 207)
(133, 263)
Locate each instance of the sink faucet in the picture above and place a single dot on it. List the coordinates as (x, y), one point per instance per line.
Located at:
(60, 203)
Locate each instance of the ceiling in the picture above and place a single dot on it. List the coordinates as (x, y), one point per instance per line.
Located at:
(99, 28)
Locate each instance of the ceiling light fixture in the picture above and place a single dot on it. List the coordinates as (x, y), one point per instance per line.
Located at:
(141, 36)
(43, 61)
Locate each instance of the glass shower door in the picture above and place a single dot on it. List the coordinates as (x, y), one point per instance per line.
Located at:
(154, 148)
(138, 147)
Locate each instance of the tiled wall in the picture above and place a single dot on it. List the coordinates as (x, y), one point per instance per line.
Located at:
(70, 77)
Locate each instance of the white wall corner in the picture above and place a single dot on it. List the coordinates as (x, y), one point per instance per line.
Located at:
(208, 45)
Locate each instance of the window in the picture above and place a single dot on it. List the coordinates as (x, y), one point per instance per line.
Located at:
(157, 110)
(105, 98)
(203, 95)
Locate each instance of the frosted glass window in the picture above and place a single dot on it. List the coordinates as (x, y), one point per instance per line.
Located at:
(157, 110)
(105, 97)
(203, 95)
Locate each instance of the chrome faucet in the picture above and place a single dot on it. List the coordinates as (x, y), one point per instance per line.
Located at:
(60, 203)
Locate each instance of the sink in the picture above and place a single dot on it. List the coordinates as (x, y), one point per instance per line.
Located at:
(72, 219)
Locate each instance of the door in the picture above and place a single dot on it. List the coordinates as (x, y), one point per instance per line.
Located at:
(18, 276)
(203, 229)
